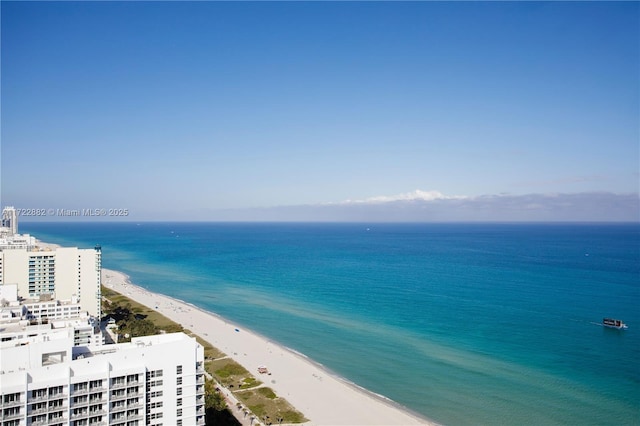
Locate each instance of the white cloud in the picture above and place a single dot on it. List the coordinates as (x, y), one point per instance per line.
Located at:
(417, 195)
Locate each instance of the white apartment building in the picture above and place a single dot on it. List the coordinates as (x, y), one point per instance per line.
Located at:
(24, 241)
(62, 273)
(39, 310)
(153, 380)
(17, 331)
(9, 224)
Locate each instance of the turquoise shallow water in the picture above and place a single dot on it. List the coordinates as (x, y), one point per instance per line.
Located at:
(464, 323)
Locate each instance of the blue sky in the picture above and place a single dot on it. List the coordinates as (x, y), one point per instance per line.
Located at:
(181, 109)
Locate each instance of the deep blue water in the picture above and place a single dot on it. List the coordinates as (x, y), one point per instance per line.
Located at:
(466, 324)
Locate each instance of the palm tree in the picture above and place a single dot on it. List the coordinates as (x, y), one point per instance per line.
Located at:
(213, 398)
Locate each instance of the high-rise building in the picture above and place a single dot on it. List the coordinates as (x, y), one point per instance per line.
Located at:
(62, 273)
(9, 221)
(153, 380)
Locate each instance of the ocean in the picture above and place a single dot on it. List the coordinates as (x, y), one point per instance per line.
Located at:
(466, 324)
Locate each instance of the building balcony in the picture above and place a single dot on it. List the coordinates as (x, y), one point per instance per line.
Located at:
(117, 397)
(9, 404)
(12, 416)
(39, 398)
(118, 419)
(57, 395)
(131, 417)
(81, 391)
(35, 412)
(80, 415)
(80, 403)
(118, 408)
(118, 385)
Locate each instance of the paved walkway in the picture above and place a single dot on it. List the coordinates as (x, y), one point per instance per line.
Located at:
(242, 414)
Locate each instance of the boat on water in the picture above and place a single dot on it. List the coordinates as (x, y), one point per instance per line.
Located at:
(614, 323)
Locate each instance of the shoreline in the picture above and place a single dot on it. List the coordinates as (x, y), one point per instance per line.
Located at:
(323, 396)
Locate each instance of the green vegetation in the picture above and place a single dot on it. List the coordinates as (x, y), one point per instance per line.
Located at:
(249, 382)
(267, 393)
(264, 403)
(130, 324)
(212, 398)
(230, 368)
(231, 374)
(136, 320)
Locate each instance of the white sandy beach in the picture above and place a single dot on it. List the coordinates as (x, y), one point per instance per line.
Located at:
(322, 397)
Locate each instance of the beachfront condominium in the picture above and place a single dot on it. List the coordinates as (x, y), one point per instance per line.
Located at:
(9, 225)
(153, 380)
(9, 236)
(23, 320)
(62, 273)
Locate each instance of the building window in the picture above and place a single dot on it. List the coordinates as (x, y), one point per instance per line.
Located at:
(179, 370)
(179, 381)
(179, 412)
(179, 402)
(179, 391)
(12, 397)
(8, 412)
(155, 373)
(80, 399)
(55, 391)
